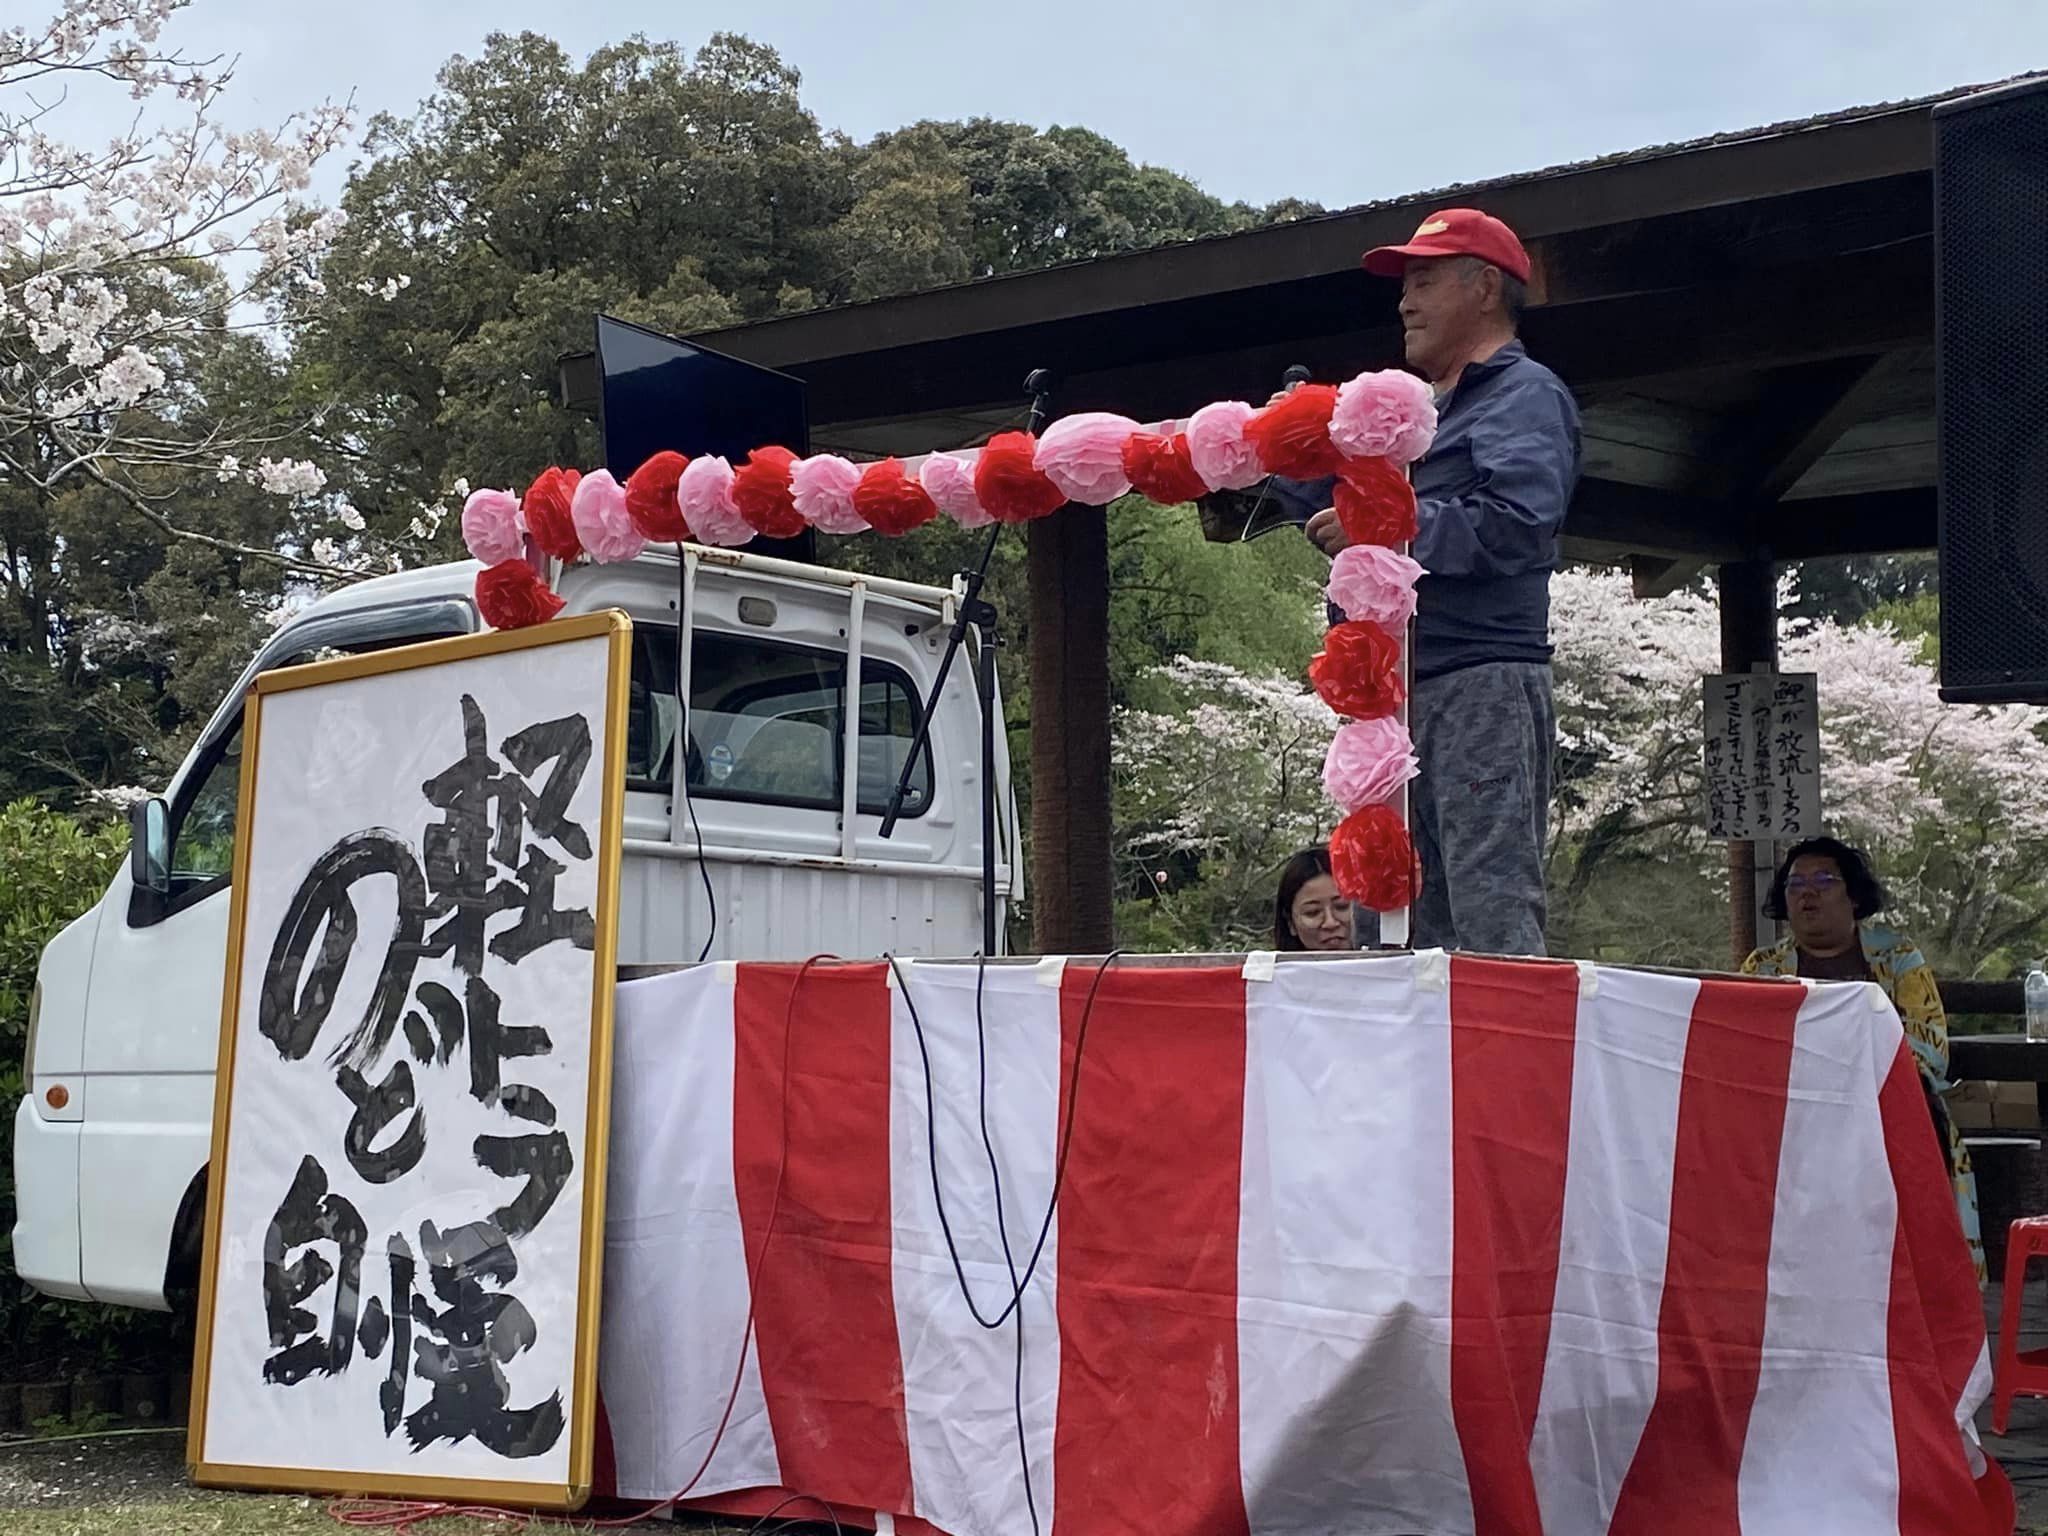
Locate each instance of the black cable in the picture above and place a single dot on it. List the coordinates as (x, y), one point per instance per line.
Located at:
(831, 1514)
(682, 748)
(1017, 1282)
(995, 1174)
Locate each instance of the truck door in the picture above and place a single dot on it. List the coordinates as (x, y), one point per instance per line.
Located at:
(153, 1006)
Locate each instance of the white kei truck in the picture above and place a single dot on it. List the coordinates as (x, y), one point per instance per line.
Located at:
(761, 840)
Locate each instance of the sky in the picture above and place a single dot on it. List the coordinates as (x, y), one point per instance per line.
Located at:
(1335, 101)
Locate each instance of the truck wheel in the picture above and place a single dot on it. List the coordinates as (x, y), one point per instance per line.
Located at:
(188, 1248)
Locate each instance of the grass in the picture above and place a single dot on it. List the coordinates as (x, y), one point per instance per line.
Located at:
(231, 1514)
(225, 1515)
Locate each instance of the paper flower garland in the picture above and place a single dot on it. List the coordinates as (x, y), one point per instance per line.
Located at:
(1372, 859)
(1365, 432)
(512, 596)
(1091, 458)
(1375, 585)
(491, 526)
(1369, 761)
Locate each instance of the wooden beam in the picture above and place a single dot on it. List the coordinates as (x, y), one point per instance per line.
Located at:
(1653, 576)
(1749, 639)
(1873, 523)
(1163, 360)
(1072, 883)
(1803, 413)
(1651, 184)
(1636, 519)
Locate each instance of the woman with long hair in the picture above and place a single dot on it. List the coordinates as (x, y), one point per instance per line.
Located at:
(1308, 911)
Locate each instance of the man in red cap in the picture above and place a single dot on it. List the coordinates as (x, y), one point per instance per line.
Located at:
(1492, 492)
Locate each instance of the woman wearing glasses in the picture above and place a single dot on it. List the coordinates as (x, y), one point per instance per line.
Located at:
(1827, 893)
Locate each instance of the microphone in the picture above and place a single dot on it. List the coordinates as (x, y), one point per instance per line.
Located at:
(1296, 375)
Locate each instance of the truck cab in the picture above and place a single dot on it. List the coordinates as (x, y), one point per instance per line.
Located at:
(752, 835)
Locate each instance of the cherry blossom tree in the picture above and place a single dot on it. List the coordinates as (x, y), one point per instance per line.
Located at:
(1951, 801)
(137, 275)
(1215, 789)
(1218, 781)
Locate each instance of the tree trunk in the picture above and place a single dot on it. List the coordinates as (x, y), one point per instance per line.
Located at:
(1071, 885)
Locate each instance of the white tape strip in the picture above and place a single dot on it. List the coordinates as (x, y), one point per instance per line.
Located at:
(1432, 970)
(728, 972)
(1260, 964)
(1051, 971)
(1589, 979)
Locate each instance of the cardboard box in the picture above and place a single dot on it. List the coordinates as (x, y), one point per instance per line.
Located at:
(1983, 1108)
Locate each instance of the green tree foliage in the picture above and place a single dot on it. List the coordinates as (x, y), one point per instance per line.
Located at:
(52, 868)
(682, 192)
(116, 640)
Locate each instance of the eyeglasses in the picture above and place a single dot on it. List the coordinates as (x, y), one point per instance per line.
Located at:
(1819, 882)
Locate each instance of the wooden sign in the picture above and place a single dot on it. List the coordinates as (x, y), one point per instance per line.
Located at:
(406, 1209)
(1762, 755)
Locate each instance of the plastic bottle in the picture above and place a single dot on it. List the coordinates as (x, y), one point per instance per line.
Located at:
(2037, 1003)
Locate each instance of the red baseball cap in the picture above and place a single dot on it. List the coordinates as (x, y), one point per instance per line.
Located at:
(1455, 232)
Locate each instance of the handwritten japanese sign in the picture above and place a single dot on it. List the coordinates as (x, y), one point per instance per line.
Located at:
(410, 1115)
(1762, 755)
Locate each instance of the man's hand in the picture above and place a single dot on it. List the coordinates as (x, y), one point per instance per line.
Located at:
(1326, 533)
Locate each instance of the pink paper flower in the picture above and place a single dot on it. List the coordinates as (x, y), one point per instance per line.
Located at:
(705, 495)
(822, 487)
(949, 481)
(1217, 445)
(603, 525)
(1083, 455)
(1369, 761)
(491, 528)
(1375, 585)
(1384, 415)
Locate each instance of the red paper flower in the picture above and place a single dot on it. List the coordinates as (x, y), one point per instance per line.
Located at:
(651, 498)
(1292, 435)
(547, 513)
(1161, 469)
(1009, 484)
(1358, 671)
(1375, 503)
(890, 501)
(1372, 859)
(760, 489)
(512, 596)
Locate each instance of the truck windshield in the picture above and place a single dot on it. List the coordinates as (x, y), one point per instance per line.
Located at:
(766, 723)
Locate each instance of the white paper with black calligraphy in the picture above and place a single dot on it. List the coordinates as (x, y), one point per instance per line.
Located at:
(398, 1275)
(1761, 755)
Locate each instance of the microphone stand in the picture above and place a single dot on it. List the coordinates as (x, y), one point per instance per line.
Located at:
(975, 612)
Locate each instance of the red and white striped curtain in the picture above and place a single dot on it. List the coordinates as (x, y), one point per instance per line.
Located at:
(1391, 1245)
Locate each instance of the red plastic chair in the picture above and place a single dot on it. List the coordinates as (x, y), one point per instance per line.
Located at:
(2019, 1373)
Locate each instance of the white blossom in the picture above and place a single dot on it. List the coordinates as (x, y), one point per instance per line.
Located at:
(290, 477)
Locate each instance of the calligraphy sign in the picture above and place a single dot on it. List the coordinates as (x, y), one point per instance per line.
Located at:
(1762, 755)
(406, 1199)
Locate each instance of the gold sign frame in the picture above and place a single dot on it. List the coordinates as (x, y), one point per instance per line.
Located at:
(617, 628)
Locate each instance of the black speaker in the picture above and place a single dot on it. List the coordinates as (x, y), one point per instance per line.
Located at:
(1991, 392)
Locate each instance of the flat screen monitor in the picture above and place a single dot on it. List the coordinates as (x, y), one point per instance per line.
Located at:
(657, 392)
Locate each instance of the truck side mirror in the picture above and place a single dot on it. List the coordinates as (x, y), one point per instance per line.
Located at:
(149, 846)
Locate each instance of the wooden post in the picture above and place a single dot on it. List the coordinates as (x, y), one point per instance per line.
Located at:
(1072, 884)
(1749, 641)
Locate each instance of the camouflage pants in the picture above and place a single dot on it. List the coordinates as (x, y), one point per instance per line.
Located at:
(1480, 807)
